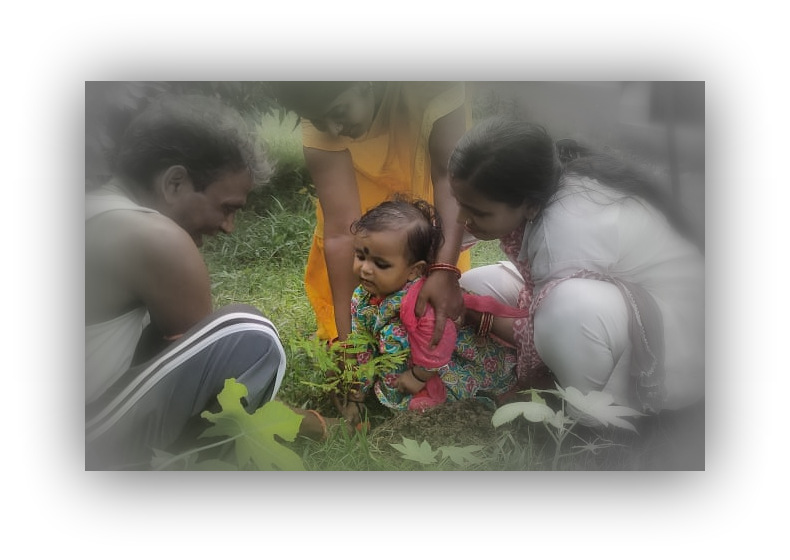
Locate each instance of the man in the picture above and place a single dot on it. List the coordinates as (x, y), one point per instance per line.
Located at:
(156, 352)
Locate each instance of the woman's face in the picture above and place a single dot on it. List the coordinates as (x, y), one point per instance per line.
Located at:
(349, 114)
(484, 218)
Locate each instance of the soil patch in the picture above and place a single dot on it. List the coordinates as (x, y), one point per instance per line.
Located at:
(462, 423)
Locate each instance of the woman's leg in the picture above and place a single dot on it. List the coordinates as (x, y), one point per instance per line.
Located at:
(581, 334)
(501, 281)
(151, 404)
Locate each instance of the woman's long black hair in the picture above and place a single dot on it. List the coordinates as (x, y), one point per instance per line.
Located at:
(515, 161)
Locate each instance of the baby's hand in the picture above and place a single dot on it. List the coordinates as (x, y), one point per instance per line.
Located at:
(407, 383)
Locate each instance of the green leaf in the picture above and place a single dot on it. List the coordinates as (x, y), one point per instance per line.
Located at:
(535, 396)
(505, 413)
(599, 406)
(461, 455)
(214, 465)
(160, 459)
(254, 433)
(411, 450)
(532, 411)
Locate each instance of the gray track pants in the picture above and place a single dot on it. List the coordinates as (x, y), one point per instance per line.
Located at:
(150, 405)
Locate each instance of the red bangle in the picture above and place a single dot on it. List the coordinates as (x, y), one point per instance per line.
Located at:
(444, 266)
(486, 322)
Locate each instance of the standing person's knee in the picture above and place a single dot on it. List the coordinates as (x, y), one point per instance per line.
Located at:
(581, 330)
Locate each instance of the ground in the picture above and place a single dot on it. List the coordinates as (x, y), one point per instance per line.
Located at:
(459, 423)
(672, 441)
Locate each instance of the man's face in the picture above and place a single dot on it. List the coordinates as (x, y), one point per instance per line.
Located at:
(212, 210)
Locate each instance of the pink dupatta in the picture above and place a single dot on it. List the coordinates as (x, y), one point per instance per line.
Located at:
(420, 331)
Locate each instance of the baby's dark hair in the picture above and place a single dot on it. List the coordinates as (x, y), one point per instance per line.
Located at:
(420, 219)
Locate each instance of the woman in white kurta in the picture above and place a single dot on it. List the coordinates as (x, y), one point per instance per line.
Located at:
(615, 288)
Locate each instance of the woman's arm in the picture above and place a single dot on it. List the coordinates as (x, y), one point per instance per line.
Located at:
(441, 288)
(502, 327)
(336, 186)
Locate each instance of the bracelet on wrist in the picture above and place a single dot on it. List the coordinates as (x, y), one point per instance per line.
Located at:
(486, 322)
(444, 266)
(414, 375)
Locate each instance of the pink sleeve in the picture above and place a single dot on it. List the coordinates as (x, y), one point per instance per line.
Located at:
(420, 332)
(493, 306)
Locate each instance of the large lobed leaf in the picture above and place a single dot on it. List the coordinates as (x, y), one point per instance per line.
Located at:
(462, 456)
(532, 411)
(600, 406)
(254, 433)
(413, 451)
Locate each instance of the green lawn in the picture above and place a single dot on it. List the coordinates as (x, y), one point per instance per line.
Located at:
(262, 264)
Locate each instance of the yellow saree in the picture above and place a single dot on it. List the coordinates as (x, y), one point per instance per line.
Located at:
(391, 158)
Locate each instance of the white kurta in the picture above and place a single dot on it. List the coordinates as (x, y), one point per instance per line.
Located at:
(590, 226)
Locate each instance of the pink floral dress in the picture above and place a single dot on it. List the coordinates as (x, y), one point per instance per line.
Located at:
(479, 367)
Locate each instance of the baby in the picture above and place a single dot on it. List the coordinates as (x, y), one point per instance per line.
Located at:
(394, 249)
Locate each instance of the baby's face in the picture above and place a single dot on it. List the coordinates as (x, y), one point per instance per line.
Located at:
(380, 261)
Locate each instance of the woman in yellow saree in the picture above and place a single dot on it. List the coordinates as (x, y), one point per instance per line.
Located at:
(364, 142)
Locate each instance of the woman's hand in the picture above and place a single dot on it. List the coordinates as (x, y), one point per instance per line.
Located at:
(442, 291)
(336, 186)
(441, 288)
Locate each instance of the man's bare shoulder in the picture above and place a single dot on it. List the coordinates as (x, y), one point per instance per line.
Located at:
(139, 258)
(134, 231)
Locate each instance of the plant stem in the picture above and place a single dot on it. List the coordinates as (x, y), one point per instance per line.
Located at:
(562, 434)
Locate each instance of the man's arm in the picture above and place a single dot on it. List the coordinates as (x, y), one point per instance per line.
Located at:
(164, 269)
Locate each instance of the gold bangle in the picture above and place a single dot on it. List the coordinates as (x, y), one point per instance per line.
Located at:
(445, 266)
(486, 322)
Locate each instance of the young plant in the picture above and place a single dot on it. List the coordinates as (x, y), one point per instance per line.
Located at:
(340, 363)
(595, 406)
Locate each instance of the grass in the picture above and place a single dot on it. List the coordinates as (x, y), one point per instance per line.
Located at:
(262, 264)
